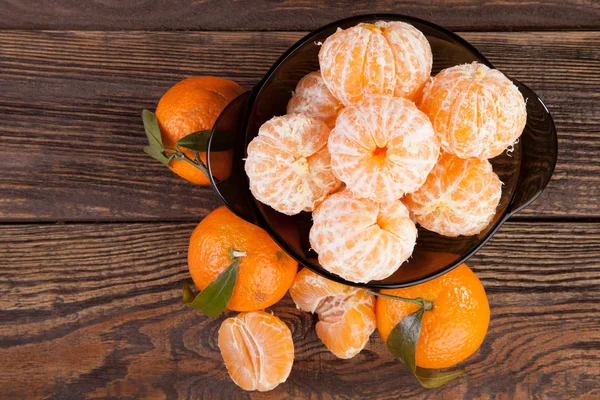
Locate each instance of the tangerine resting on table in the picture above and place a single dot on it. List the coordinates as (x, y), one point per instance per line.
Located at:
(258, 350)
(288, 164)
(346, 314)
(459, 196)
(382, 147)
(190, 106)
(265, 273)
(313, 99)
(475, 111)
(359, 239)
(392, 58)
(456, 325)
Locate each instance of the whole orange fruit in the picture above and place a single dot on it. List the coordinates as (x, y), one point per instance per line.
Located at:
(265, 273)
(455, 327)
(193, 105)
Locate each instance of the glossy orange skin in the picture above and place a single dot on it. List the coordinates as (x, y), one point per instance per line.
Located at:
(455, 327)
(265, 273)
(193, 105)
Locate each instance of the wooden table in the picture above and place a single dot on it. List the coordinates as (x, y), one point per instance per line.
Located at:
(93, 233)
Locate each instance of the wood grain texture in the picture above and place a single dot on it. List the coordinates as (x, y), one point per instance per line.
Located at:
(72, 135)
(290, 14)
(92, 310)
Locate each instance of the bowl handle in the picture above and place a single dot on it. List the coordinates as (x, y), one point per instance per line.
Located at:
(539, 148)
(227, 142)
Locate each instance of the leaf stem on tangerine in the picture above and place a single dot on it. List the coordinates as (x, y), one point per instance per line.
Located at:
(233, 253)
(426, 304)
(197, 141)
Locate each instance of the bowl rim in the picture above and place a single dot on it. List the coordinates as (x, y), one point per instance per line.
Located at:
(256, 90)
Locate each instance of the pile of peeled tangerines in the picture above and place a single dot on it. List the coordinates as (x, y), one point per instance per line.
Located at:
(371, 144)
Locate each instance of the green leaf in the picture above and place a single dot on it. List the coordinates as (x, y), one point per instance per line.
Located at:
(198, 141)
(188, 293)
(432, 379)
(214, 298)
(157, 154)
(402, 342)
(152, 130)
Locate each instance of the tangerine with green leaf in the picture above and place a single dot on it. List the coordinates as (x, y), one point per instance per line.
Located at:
(190, 106)
(455, 326)
(265, 271)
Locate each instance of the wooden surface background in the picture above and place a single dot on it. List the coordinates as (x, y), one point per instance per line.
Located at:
(93, 233)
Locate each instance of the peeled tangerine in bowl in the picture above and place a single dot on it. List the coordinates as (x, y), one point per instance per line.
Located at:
(313, 99)
(459, 197)
(346, 314)
(392, 58)
(359, 239)
(382, 147)
(288, 164)
(475, 111)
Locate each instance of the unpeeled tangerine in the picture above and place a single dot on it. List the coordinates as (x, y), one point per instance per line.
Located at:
(459, 197)
(288, 164)
(475, 111)
(392, 58)
(382, 147)
(359, 239)
(313, 99)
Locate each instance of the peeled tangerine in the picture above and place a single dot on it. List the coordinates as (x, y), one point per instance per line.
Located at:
(392, 58)
(258, 350)
(288, 164)
(359, 239)
(313, 99)
(382, 147)
(459, 197)
(346, 314)
(476, 111)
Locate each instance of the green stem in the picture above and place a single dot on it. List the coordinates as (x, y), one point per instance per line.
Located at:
(179, 155)
(426, 304)
(197, 158)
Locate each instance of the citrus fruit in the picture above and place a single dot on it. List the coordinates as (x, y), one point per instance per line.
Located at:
(288, 164)
(475, 111)
(392, 58)
(419, 95)
(258, 350)
(313, 99)
(265, 273)
(455, 327)
(346, 314)
(382, 147)
(459, 196)
(193, 105)
(359, 239)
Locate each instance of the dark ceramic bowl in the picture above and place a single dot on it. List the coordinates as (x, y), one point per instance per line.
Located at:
(525, 171)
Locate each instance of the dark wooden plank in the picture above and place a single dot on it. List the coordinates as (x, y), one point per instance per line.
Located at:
(71, 130)
(93, 310)
(290, 15)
